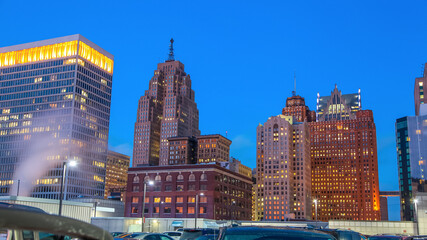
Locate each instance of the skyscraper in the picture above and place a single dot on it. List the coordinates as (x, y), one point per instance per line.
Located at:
(420, 83)
(344, 159)
(55, 100)
(168, 109)
(283, 173)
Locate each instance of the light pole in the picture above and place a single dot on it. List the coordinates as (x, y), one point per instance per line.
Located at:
(416, 214)
(61, 194)
(197, 209)
(143, 203)
(315, 207)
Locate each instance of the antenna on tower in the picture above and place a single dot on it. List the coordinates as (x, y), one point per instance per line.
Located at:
(171, 55)
(294, 92)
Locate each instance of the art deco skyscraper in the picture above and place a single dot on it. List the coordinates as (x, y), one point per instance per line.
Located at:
(167, 109)
(283, 173)
(55, 98)
(344, 159)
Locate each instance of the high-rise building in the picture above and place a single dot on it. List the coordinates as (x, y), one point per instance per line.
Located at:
(182, 150)
(419, 95)
(116, 175)
(295, 106)
(344, 159)
(55, 98)
(213, 148)
(283, 174)
(411, 141)
(168, 109)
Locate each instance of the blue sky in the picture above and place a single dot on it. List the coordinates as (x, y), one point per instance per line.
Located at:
(242, 55)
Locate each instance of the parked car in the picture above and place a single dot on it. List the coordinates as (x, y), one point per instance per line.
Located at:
(343, 234)
(22, 222)
(116, 234)
(271, 233)
(194, 233)
(386, 237)
(424, 237)
(148, 236)
(173, 234)
(208, 237)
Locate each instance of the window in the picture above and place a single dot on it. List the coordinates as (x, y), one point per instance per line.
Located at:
(180, 178)
(169, 178)
(203, 187)
(157, 199)
(136, 179)
(168, 199)
(167, 210)
(191, 187)
(203, 177)
(179, 199)
(203, 199)
(191, 177)
(202, 210)
(134, 210)
(135, 199)
(190, 210)
(180, 187)
(147, 179)
(147, 199)
(156, 209)
(158, 178)
(191, 199)
(179, 209)
(135, 189)
(168, 188)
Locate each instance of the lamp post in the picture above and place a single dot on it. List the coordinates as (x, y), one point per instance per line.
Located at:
(416, 214)
(197, 209)
(143, 204)
(315, 207)
(61, 194)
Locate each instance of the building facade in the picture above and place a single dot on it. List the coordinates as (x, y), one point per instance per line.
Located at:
(167, 109)
(344, 159)
(213, 148)
(295, 106)
(182, 150)
(55, 98)
(222, 194)
(283, 174)
(419, 99)
(116, 175)
(411, 141)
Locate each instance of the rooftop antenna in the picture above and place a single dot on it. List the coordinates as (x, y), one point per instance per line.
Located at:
(294, 92)
(171, 55)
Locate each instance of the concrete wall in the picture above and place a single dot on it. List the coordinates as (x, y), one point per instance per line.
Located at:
(378, 227)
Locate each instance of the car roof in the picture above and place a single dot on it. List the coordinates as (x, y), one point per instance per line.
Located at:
(270, 229)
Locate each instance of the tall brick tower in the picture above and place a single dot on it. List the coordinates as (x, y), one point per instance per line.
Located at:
(167, 109)
(344, 159)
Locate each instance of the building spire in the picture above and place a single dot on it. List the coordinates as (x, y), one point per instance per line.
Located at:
(294, 92)
(171, 56)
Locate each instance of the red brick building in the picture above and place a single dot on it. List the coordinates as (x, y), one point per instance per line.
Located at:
(344, 159)
(223, 194)
(213, 148)
(182, 150)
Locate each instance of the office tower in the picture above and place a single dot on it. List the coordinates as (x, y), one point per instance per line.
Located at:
(411, 141)
(283, 178)
(419, 99)
(168, 109)
(344, 159)
(213, 148)
(295, 106)
(182, 150)
(222, 194)
(116, 175)
(55, 100)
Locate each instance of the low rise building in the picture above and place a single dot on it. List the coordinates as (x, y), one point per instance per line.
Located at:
(116, 175)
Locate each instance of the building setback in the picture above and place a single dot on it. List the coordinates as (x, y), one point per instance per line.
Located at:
(223, 194)
(55, 98)
(283, 175)
(167, 109)
(344, 159)
(116, 175)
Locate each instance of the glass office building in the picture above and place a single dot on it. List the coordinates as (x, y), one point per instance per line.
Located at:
(411, 141)
(55, 98)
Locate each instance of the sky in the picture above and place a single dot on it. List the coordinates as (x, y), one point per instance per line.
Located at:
(242, 56)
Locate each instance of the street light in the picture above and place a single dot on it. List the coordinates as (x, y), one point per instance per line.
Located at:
(72, 163)
(151, 183)
(315, 207)
(197, 209)
(416, 214)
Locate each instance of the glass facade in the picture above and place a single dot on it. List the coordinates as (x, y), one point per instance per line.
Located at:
(411, 139)
(55, 98)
